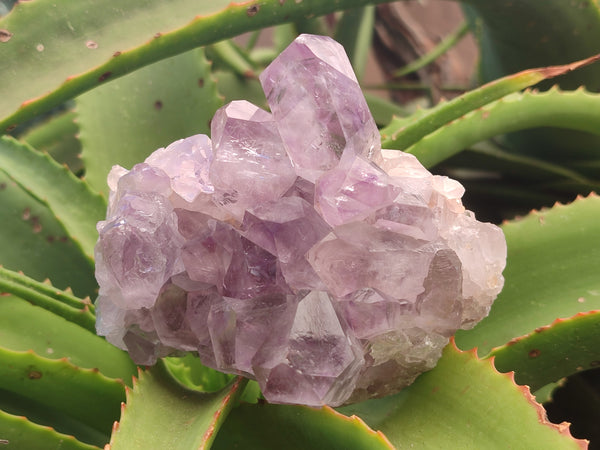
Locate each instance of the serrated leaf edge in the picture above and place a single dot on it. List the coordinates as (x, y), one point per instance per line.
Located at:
(354, 419)
(563, 428)
(47, 428)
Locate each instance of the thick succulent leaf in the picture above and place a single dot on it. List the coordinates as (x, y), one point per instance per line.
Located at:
(565, 347)
(520, 34)
(551, 272)
(26, 327)
(17, 432)
(231, 87)
(83, 394)
(124, 121)
(515, 35)
(162, 414)
(227, 56)
(40, 414)
(355, 32)
(62, 303)
(33, 241)
(465, 403)
(75, 205)
(575, 110)
(190, 372)
(57, 136)
(404, 132)
(84, 43)
(270, 427)
(383, 110)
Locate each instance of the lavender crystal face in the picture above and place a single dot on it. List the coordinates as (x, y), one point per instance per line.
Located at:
(291, 249)
(318, 105)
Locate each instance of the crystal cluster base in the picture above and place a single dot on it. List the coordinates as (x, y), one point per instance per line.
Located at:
(290, 248)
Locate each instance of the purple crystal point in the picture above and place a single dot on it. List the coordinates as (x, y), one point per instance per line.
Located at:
(318, 105)
(139, 246)
(288, 229)
(239, 328)
(291, 249)
(353, 191)
(250, 165)
(319, 356)
(186, 162)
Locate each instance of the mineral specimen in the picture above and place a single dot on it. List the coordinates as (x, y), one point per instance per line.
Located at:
(291, 249)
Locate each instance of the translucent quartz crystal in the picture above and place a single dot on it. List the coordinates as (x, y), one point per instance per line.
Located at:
(291, 249)
(318, 105)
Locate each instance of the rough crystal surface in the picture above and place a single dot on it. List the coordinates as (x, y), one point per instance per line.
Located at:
(291, 249)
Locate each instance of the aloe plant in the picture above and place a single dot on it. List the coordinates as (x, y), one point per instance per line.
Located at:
(145, 73)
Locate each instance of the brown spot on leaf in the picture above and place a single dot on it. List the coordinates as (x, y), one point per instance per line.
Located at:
(201, 82)
(10, 128)
(117, 53)
(253, 10)
(26, 214)
(5, 35)
(534, 353)
(91, 45)
(157, 35)
(63, 239)
(595, 364)
(34, 375)
(158, 105)
(2, 186)
(50, 238)
(35, 222)
(104, 76)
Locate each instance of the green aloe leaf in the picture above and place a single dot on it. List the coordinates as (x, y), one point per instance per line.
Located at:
(62, 303)
(551, 272)
(564, 347)
(264, 426)
(190, 372)
(33, 241)
(25, 327)
(84, 43)
(44, 415)
(162, 414)
(575, 110)
(404, 132)
(17, 432)
(83, 394)
(231, 87)
(355, 32)
(75, 205)
(58, 137)
(157, 105)
(227, 56)
(465, 403)
(520, 34)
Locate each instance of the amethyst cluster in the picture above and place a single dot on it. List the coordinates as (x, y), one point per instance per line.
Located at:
(290, 248)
